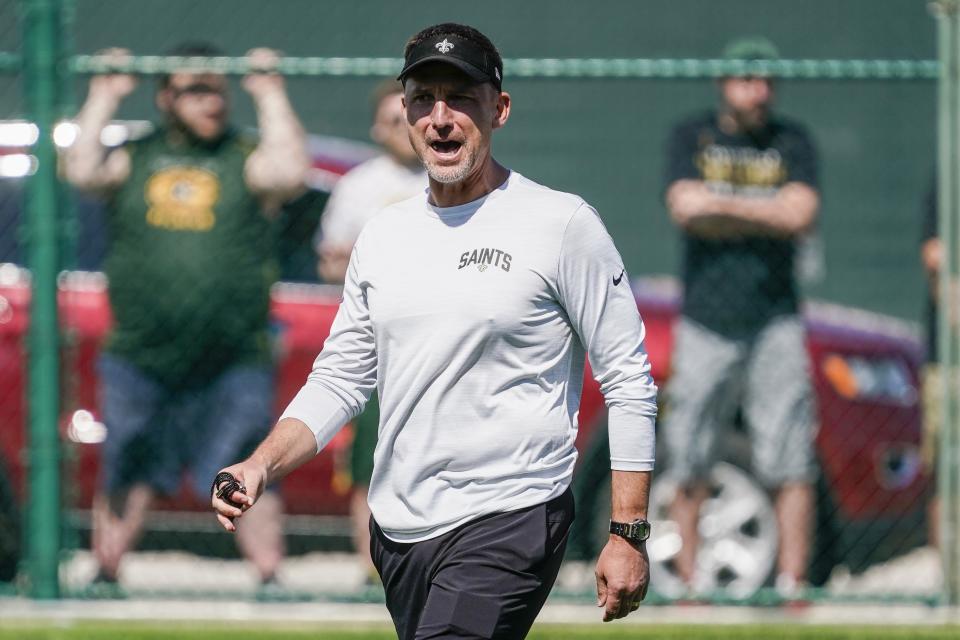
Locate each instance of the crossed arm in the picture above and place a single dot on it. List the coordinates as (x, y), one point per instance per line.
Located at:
(700, 211)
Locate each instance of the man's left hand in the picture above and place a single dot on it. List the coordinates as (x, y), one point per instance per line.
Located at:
(252, 477)
(263, 77)
(623, 574)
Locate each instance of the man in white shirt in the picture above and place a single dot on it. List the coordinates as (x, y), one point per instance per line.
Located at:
(370, 186)
(470, 311)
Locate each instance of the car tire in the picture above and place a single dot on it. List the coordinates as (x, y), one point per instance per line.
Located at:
(738, 536)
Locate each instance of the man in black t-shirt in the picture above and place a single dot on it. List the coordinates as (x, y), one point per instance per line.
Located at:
(742, 186)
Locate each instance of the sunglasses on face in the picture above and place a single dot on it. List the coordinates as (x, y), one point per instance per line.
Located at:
(198, 89)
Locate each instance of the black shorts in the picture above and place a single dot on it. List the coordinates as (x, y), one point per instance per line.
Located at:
(488, 578)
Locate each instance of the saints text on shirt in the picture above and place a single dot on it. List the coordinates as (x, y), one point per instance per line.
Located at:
(486, 257)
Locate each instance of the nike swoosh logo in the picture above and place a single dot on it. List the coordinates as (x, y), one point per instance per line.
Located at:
(618, 278)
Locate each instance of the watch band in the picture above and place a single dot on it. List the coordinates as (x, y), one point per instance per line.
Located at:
(636, 531)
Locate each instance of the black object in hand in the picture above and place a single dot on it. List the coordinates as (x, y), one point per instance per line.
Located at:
(224, 485)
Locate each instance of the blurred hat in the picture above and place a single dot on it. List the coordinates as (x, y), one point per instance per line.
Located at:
(750, 48)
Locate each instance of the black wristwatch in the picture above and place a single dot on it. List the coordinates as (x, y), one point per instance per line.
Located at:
(637, 531)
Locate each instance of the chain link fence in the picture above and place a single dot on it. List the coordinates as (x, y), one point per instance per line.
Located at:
(790, 371)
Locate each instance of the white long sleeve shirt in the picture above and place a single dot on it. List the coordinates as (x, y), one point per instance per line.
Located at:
(471, 322)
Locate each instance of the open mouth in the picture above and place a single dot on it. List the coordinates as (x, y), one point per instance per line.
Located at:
(446, 147)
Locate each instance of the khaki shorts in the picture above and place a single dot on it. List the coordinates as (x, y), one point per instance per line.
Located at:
(933, 382)
(767, 375)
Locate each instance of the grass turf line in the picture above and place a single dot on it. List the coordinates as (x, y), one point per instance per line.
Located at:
(175, 631)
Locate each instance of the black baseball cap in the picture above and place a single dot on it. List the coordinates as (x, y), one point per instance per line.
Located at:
(464, 54)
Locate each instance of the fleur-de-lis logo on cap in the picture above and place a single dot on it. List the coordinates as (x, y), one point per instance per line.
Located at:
(444, 47)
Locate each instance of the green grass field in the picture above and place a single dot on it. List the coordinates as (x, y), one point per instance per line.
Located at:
(135, 631)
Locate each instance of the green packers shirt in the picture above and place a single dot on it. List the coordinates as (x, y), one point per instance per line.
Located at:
(190, 261)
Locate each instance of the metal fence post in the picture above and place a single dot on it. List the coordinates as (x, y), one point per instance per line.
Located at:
(41, 60)
(948, 180)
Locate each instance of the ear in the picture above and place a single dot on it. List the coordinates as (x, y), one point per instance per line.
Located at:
(376, 133)
(503, 110)
(164, 100)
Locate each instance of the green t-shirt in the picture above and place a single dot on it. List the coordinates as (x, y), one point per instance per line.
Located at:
(191, 261)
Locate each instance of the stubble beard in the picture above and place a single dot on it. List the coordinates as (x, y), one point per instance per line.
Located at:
(452, 175)
(179, 124)
(753, 120)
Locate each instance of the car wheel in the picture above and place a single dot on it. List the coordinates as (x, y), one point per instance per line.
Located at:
(738, 536)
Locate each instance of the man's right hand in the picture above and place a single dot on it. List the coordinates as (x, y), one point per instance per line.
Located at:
(250, 475)
(113, 86)
(689, 199)
(289, 445)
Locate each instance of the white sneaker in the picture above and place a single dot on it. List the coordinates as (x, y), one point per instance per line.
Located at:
(788, 587)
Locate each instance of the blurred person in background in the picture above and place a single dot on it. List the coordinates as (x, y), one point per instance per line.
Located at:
(361, 193)
(186, 373)
(931, 257)
(470, 308)
(741, 184)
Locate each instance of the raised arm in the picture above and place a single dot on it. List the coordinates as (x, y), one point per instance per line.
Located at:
(87, 164)
(277, 169)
